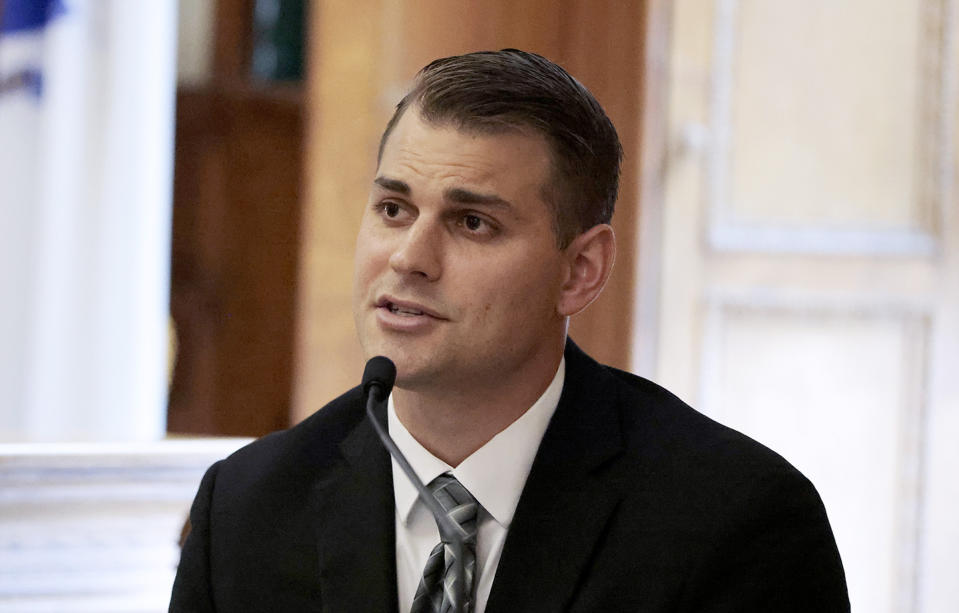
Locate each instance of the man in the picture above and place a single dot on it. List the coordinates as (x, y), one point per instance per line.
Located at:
(580, 487)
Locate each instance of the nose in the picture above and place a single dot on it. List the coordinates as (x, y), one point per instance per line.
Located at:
(419, 251)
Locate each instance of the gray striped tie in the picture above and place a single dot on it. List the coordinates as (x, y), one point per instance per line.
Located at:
(436, 592)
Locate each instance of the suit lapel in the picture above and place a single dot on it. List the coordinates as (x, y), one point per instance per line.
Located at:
(355, 525)
(568, 498)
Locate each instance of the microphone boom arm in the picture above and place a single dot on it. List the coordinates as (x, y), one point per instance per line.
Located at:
(453, 532)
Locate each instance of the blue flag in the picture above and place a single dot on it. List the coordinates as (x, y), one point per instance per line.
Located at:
(25, 17)
(21, 15)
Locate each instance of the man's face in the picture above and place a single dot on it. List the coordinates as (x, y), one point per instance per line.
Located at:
(457, 272)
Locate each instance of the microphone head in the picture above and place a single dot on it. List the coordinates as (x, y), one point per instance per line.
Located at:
(379, 374)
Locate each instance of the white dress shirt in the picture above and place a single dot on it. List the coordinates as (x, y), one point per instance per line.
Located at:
(494, 474)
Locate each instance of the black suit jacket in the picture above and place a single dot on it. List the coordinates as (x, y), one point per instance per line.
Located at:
(635, 502)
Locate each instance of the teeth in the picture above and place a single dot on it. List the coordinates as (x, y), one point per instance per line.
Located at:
(402, 311)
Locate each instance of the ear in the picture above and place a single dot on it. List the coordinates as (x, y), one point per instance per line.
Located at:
(590, 258)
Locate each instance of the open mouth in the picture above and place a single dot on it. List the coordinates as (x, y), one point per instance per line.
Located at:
(402, 308)
(403, 311)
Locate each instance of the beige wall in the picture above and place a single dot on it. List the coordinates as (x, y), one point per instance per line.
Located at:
(194, 52)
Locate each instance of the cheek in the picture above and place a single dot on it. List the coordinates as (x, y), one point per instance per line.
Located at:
(360, 265)
(364, 273)
(523, 299)
(369, 257)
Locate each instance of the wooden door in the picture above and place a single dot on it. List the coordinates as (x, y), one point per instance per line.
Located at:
(236, 219)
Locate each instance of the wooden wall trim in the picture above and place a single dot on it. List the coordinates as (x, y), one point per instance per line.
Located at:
(342, 128)
(653, 166)
(233, 43)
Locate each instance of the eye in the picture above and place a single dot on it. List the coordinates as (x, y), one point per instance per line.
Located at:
(473, 223)
(391, 209)
(476, 226)
(392, 212)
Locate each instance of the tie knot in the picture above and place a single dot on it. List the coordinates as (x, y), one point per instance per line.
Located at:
(458, 503)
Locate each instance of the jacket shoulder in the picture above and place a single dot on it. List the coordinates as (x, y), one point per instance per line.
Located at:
(302, 449)
(749, 526)
(656, 418)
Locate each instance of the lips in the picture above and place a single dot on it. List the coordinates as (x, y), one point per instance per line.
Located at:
(405, 308)
(398, 310)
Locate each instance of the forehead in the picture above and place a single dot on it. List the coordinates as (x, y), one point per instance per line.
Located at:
(508, 159)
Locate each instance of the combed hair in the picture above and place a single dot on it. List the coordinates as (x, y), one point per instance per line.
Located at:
(496, 91)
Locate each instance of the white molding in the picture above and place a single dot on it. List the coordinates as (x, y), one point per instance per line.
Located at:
(729, 236)
(948, 101)
(96, 527)
(717, 154)
(651, 192)
(917, 318)
(723, 232)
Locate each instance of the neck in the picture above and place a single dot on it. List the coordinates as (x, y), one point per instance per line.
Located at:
(453, 423)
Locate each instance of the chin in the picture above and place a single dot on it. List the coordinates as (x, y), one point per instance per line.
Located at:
(418, 364)
(411, 375)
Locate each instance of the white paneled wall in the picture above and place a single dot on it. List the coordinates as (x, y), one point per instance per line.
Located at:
(807, 267)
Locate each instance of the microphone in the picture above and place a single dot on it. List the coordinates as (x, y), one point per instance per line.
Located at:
(379, 376)
(378, 379)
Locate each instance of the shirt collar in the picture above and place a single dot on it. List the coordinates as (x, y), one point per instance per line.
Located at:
(495, 473)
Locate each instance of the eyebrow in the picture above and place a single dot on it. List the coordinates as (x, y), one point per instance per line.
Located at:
(393, 185)
(458, 195)
(465, 196)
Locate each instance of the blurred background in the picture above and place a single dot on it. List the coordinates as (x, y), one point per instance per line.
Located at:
(181, 182)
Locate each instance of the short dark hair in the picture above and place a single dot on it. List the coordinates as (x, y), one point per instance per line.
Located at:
(494, 91)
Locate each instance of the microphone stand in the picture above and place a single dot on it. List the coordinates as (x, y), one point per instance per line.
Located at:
(450, 531)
